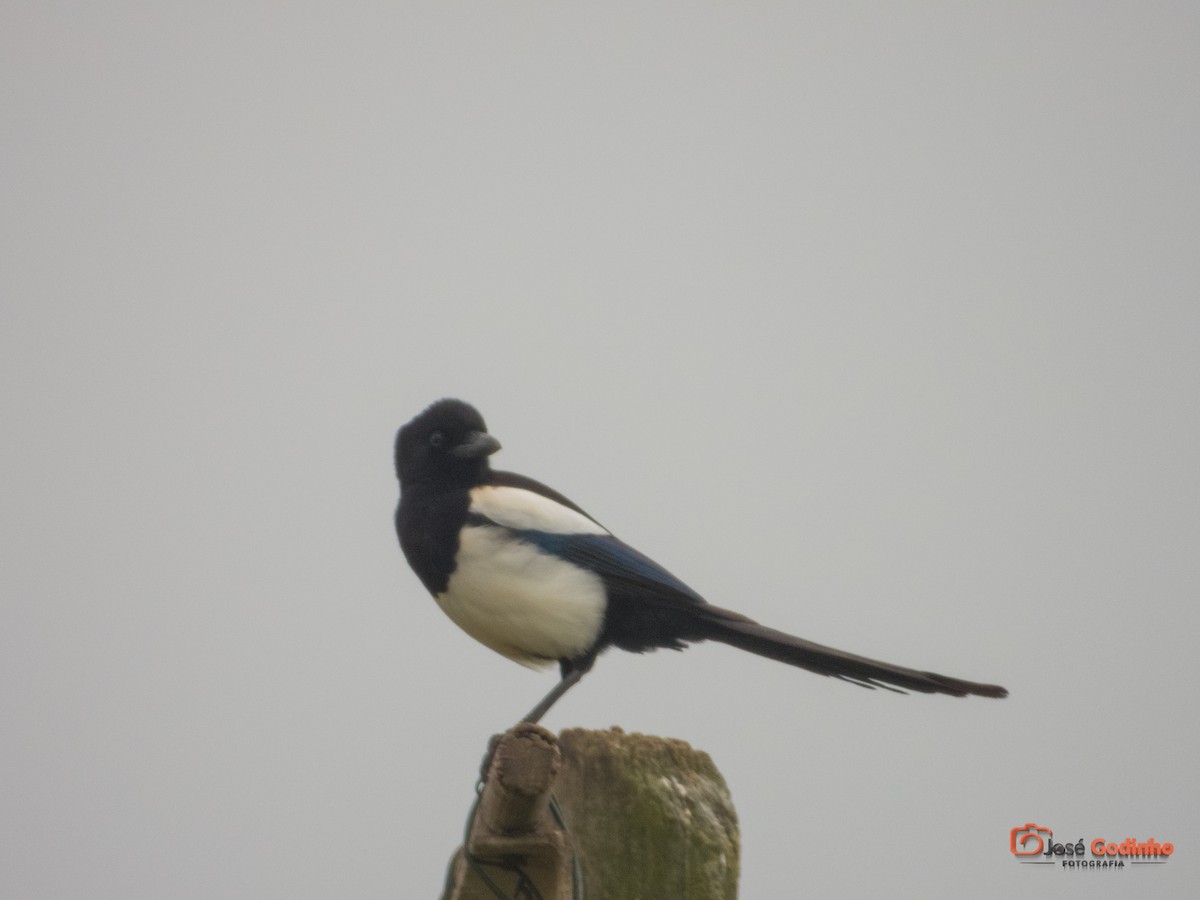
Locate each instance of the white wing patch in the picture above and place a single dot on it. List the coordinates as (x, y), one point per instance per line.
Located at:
(522, 510)
(527, 605)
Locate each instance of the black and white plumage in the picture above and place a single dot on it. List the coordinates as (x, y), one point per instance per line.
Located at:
(526, 572)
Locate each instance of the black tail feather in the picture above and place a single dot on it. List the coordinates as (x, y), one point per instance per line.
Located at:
(746, 634)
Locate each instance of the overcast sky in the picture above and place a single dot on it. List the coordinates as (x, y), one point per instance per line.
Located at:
(876, 322)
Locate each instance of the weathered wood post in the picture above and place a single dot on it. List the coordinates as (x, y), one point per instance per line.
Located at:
(513, 844)
(651, 816)
(646, 817)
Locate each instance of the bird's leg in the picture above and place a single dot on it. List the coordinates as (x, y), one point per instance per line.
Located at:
(571, 673)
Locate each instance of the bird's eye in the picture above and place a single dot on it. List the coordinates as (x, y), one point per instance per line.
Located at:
(437, 439)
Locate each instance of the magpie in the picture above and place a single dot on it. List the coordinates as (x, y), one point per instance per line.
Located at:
(528, 573)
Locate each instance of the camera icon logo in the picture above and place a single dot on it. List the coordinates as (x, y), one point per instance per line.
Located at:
(1029, 839)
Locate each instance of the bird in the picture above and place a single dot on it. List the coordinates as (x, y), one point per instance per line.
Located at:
(529, 574)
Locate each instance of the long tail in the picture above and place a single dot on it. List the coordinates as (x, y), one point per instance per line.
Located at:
(746, 634)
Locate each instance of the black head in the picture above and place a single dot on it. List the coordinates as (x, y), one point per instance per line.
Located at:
(447, 444)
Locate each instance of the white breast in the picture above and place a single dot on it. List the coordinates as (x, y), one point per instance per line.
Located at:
(530, 606)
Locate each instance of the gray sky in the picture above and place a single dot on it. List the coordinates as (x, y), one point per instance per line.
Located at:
(877, 322)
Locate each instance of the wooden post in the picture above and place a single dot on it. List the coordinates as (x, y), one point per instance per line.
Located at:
(513, 842)
(647, 817)
(652, 817)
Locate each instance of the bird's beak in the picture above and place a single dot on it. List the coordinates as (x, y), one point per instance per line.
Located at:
(477, 445)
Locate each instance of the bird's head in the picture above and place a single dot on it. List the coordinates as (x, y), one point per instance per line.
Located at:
(447, 443)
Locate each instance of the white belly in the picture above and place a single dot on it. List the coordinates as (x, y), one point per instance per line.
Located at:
(525, 604)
